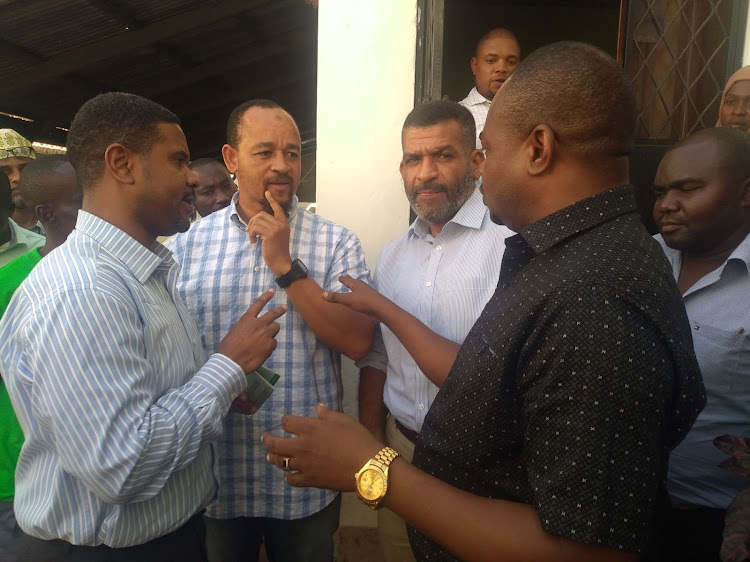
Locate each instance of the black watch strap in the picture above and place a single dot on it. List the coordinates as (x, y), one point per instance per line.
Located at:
(298, 271)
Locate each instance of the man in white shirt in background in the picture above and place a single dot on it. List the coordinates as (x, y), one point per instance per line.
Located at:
(496, 56)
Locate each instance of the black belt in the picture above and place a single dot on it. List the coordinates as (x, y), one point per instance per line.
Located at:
(410, 434)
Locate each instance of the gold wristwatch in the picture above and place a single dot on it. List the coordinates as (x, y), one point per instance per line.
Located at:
(372, 479)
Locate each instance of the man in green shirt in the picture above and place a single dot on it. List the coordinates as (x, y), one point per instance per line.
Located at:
(49, 186)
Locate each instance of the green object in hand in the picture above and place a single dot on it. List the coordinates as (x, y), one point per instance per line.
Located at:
(260, 385)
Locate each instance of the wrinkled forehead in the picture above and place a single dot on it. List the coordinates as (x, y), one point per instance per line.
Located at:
(499, 46)
(262, 124)
(431, 137)
(14, 161)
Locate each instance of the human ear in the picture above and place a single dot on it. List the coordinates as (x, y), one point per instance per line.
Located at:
(477, 163)
(745, 200)
(119, 162)
(473, 64)
(230, 158)
(44, 213)
(540, 149)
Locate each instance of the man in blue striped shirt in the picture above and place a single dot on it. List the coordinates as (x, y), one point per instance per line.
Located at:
(442, 270)
(263, 239)
(104, 367)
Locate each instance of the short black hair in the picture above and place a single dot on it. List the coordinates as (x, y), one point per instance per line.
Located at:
(39, 182)
(439, 111)
(203, 161)
(579, 91)
(497, 33)
(114, 117)
(733, 145)
(233, 124)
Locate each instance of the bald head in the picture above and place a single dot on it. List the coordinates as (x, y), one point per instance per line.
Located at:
(497, 33)
(50, 187)
(47, 179)
(494, 60)
(732, 148)
(580, 92)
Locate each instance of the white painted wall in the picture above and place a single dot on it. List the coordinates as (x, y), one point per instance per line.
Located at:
(746, 50)
(366, 51)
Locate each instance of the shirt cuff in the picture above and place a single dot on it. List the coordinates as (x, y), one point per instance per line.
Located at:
(222, 377)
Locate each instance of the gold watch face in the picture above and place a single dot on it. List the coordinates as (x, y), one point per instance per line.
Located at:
(371, 484)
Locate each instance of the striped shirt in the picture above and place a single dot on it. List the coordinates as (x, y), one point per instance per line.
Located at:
(222, 274)
(479, 106)
(106, 373)
(444, 281)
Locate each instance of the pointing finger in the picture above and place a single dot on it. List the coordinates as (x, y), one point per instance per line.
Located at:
(278, 212)
(347, 281)
(260, 302)
(274, 313)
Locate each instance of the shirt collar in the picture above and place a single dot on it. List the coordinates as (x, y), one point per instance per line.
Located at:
(475, 98)
(19, 235)
(470, 215)
(236, 219)
(138, 259)
(581, 215)
(15, 232)
(740, 254)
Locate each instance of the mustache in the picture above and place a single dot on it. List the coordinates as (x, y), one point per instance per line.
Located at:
(278, 178)
(430, 186)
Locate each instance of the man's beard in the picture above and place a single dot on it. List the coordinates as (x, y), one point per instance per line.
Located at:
(285, 205)
(18, 202)
(455, 197)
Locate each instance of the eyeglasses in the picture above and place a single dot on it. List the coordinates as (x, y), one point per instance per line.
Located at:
(17, 152)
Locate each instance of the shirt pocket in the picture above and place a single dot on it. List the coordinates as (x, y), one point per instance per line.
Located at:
(723, 358)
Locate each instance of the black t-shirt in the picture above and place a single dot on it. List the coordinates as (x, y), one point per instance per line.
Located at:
(575, 382)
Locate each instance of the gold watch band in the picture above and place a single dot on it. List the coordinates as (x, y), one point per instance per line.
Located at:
(384, 458)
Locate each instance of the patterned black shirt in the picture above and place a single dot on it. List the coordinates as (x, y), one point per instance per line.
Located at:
(574, 383)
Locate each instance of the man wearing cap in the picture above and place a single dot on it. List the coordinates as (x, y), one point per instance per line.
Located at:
(14, 240)
(15, 153)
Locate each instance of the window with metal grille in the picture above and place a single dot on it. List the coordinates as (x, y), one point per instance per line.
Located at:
(679, 54)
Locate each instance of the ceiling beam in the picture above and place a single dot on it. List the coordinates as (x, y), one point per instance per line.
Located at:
(126, 18)
(82, 57)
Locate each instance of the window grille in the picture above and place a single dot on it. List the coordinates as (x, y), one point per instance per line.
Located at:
(679, 54)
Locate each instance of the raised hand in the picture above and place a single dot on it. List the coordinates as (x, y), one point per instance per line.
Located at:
(274, 230)
(251, 340)
(362, 298)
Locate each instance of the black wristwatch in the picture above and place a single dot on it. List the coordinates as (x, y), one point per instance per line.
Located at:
(298, 271)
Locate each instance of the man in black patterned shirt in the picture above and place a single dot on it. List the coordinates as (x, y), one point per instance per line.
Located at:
(550, 436)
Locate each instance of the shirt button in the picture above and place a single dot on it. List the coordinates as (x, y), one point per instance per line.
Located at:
(438, 248)
(429, 283)
(421, 406)
(256, 268)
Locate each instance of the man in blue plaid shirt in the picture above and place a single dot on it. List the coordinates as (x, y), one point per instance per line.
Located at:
(263, 240)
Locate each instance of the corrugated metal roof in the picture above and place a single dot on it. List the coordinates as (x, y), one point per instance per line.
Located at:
(196, 56)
